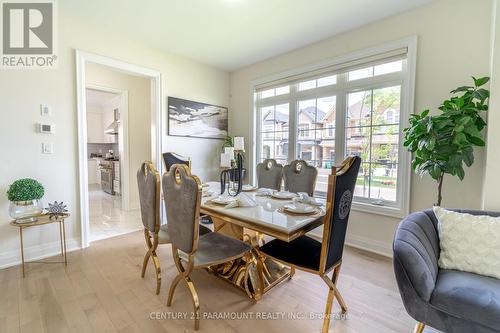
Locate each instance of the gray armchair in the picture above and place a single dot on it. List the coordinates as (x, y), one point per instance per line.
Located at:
(447, 300)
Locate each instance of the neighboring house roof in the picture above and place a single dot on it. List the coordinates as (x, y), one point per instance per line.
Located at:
(313, 113)
(358, 110)
(280, 117)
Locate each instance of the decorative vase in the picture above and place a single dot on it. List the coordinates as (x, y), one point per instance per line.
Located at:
(25, 211)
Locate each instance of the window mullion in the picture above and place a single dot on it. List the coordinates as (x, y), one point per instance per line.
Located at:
(293, 126)
(340, 119)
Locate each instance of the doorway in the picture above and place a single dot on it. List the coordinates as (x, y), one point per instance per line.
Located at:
(119, 122)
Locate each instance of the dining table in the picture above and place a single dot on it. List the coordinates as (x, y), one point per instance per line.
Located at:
(256, 217)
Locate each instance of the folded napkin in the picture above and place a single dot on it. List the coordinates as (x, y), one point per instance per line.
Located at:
(264, 192)
(242, 200)
(305, 198)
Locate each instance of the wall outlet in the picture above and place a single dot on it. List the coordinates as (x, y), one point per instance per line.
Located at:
(47, 148)
(45, 110)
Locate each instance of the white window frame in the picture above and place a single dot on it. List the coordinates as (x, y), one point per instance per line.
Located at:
(407, 81)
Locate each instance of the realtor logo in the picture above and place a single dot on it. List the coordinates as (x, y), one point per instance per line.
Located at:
(28, 34)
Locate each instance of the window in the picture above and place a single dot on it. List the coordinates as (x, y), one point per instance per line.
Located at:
(325, 115)
(274, 134)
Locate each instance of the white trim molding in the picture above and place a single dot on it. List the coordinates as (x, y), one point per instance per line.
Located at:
(38, 252)
(82, 58)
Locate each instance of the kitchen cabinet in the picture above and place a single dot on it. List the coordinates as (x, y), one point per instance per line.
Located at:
(95, 129)
(92, 171)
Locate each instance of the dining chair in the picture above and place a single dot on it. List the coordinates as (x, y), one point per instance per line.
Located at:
(310, 255)
(170, 159)
(300, 177)
(269, 174)
(148, 180)
(183, 197)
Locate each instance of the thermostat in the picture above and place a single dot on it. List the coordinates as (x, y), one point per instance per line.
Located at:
(47, 128)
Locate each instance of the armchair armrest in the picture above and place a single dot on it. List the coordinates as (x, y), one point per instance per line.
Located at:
(416, 253)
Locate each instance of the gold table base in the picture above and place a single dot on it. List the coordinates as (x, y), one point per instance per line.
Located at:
(254, 273)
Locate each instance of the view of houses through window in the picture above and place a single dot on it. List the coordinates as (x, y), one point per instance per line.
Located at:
(370, 126)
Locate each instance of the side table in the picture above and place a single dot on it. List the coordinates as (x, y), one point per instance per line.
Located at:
(41, 220)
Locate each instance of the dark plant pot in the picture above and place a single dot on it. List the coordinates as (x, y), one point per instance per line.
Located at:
(233, 174)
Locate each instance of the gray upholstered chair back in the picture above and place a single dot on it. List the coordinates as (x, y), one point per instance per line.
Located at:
(300, 177)
(182, 193)
(269, 174)
(148, 180)
(173, 158)
(343, 193)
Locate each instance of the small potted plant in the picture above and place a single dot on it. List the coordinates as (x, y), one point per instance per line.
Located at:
(24, 196)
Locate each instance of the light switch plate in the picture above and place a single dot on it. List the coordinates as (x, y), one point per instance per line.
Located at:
(47, 148)
(45, 110)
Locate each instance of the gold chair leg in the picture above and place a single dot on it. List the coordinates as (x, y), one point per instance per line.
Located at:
(196, 302)
(340, 299)
(328, 311)
(172, 288)
(145, 263)
(156, 262)
(292, 272)
(419, 328)
(332, 293)
(184, 273)
(148, 254)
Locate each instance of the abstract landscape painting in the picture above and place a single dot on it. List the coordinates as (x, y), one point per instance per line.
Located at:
(194, 119)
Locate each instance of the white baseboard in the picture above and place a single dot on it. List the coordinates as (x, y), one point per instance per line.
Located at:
(37, 252)
(363, 243)
(369, 245)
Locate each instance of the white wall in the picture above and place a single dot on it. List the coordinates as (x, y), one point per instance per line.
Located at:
(139, 116)
(22, 92)
(453, 44)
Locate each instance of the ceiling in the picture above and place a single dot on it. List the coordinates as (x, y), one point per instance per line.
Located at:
(231, 34)
(96, 98)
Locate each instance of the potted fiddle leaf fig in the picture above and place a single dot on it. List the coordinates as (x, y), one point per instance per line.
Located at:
(444, 143)
(24, 196)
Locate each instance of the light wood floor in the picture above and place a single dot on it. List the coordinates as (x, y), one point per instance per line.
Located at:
(101, 291)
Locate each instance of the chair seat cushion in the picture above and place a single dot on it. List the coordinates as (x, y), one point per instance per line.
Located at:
(216, 248)
(468, 296)
(303, 251)
(164, 237)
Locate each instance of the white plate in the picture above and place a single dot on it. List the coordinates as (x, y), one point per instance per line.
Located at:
(297, 210)
(283, 195)
(248, 188)
(222, 201)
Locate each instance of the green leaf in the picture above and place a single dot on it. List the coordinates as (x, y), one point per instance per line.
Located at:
(477, 141)
(459, 138)
(481, 94)
(460, 172)
(425, 113)
(481, 81)
(460, 89)
(468, 158)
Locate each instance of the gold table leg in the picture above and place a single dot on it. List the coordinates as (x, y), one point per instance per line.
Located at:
(255, 274)
(22, 247)
(64, 242)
